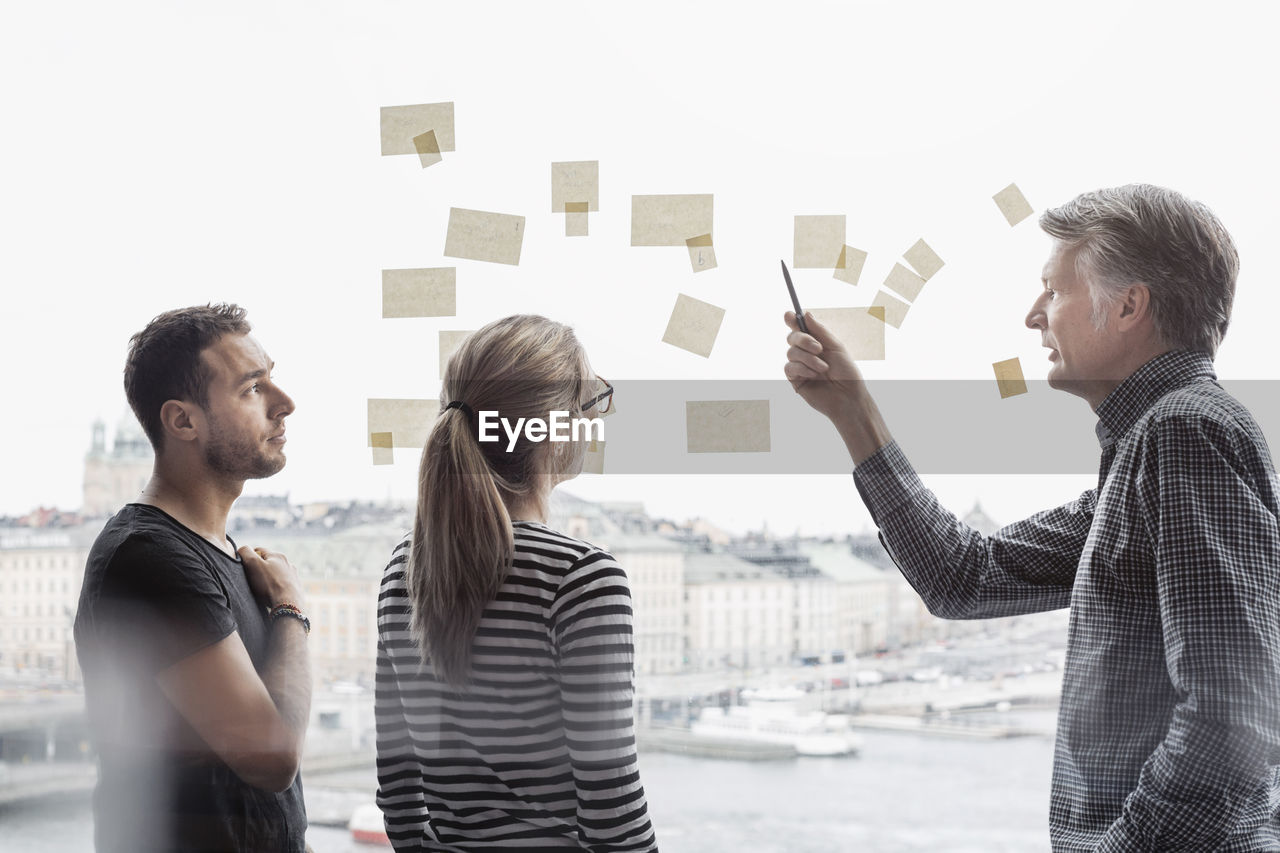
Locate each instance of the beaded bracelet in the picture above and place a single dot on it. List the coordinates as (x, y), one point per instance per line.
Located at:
(291, 611)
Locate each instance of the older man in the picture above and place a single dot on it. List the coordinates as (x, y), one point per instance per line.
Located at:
(1169, 727)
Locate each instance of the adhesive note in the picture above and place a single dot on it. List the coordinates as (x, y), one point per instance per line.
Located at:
(895, 310)
(577, 180)
(849, 264)
(819, 242)
(861, 330)
(923, 259)
(1009, 378)
(407, 421)
(1013, 204)
(593, 462)
(450, 340)
(727, 426)
(904, 282)
(419, 292)
(483, 236)
(702, 255)
(694, 325)
(575, 218)
(669, 220)
(428, 148)
(382, 452)
(400, 125)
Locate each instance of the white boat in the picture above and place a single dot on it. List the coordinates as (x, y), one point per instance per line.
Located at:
(366, 826)
(774, 716)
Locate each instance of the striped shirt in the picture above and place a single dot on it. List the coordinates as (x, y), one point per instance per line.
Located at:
(1169, 724)
(538, 751)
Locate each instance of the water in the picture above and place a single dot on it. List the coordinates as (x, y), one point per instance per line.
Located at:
(903, 794)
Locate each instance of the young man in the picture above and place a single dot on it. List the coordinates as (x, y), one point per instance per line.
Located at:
(1169, 726)
(197, 680)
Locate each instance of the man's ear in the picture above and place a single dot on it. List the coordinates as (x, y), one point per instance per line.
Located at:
(180, 420)
(1135, 306)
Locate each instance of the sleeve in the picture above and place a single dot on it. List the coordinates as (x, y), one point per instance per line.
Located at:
(160, 603)
(400, 795)
(591, 619)
(1208, 497)
(1026, 567)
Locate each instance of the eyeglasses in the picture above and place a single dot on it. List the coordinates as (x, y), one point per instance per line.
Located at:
(606, 396)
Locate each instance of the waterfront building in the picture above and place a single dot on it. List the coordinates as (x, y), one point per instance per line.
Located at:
(739, 614)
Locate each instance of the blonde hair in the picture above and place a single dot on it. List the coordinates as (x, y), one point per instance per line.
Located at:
(523, 366)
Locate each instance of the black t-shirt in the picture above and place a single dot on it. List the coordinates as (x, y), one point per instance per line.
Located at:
(155, 592)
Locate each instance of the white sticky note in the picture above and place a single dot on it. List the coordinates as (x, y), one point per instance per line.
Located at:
(727, 426)
(702, 255)
(419, 292)
(694, 325)
(1009, 377)
(861, 330)
(408, 421)
(382, 443)
(895, 310)
(818, 242)
(669, 220)
(593, 462)
(483, 236)
(923, 259)
(450, 340)
(428, 148)
(575, 218)
(849, 265)
(400, 125)
(577, 180)
(904, 282)
(1013, 204)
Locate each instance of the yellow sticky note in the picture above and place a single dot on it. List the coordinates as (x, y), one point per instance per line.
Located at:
(593, 462)
(419, 292)
(923, 259)
(575, 218)
(407, 421)
(895, 310)
(572, 181)
(382, 453)
(450, 340)
(819, 242)
(694, 325)
(428, 148)
(904, 282)
(849, 265)
(861, 330)
(483, 236)
(727, 426)
(1013, 204)
(401, 125)
(669, 220)
(1009, 377)
(702, 255)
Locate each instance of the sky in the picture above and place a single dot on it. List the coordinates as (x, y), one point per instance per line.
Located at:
(161, 155)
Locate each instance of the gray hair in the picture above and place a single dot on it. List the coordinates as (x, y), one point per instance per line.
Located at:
(1143, 234)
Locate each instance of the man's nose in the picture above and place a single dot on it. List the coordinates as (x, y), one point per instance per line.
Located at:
(1035, 317)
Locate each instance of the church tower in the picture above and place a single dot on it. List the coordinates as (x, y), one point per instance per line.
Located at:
(116, 477)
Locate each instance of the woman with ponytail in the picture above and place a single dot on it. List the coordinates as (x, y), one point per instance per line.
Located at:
(505, 659)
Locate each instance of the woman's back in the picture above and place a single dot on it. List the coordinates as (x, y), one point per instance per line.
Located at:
(538, 749)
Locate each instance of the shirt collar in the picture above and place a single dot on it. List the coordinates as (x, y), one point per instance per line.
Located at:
(1132, 397)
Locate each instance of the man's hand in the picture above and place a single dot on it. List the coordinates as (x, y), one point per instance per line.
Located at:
(820, 369)
(271, 577)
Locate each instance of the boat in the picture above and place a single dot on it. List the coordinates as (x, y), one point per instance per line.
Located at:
(774, 716)
(366, 826)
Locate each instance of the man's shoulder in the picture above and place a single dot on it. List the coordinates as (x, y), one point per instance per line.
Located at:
(137, 534)
(1200, 406)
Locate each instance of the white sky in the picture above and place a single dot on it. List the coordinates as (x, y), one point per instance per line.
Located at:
(164, 154)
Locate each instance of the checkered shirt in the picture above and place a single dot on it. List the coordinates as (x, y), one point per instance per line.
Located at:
(1169, 724)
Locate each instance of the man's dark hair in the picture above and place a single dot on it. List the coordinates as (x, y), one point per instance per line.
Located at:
(164, 360)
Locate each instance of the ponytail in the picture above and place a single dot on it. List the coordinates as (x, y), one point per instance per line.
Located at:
(463, 544)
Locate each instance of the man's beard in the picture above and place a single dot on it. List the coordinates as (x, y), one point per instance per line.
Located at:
(240, 458)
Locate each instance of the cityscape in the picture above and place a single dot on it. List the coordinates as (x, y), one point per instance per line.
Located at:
(756, 648)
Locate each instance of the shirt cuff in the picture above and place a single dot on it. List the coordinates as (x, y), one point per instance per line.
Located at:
(886, 481)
